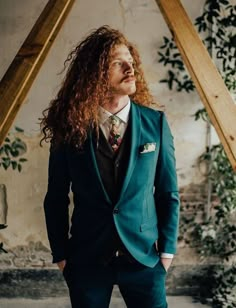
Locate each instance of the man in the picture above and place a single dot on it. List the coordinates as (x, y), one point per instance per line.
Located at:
(117, 156)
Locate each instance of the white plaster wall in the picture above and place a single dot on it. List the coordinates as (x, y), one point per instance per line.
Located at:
(143, 24)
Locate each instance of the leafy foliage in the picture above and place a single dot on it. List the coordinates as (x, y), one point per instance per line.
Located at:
(216, 235)
(216, 25)
(2, 249)
(12, 148)
(224, 287)
(10, 152)
(177, 78)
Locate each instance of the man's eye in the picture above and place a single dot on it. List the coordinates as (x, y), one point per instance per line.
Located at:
(117, 63)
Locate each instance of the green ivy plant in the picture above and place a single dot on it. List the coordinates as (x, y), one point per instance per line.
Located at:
(217, 26)
(10, 157)
(11, 150)
(216, 235)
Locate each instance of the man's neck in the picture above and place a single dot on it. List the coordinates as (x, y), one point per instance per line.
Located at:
(115, 104)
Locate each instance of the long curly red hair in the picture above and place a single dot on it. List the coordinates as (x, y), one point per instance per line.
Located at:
(74, 111)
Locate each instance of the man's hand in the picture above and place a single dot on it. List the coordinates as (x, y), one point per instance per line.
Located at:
(166, 262)
(61, 265)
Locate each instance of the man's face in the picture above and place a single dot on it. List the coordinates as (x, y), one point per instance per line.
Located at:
(121, 72)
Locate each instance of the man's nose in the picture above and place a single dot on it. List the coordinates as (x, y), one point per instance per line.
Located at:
(128, 67)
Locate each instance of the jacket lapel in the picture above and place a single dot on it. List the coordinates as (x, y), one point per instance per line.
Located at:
(134, 142)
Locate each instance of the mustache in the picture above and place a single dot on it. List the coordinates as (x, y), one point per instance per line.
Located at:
(131, 77)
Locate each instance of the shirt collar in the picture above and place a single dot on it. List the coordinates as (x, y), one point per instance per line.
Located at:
(123, 114)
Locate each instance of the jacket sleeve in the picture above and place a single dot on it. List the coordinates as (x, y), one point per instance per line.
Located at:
(56, 203)
(166, 191)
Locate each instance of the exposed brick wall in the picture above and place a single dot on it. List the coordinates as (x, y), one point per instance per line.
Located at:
(34, 255)
(193, 197)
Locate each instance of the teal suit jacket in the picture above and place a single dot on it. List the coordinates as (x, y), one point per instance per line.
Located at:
(148, 206)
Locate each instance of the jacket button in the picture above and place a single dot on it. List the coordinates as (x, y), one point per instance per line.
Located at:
(116, 211)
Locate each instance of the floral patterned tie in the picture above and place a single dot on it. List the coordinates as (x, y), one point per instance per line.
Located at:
(115, 136)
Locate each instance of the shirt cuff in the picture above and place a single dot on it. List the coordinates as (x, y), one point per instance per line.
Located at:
(166, 255)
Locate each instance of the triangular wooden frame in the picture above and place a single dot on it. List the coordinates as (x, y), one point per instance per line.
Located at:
(209, 84)
(20, 75)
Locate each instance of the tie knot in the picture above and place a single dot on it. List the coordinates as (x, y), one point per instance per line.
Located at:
(115, 120)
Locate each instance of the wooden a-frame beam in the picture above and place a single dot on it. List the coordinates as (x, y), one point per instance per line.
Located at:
(20, 75)
(209, 84)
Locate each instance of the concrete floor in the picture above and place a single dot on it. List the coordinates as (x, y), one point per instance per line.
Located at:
(62, 302)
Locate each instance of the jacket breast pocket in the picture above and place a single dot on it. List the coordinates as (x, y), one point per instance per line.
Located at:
(152, 153)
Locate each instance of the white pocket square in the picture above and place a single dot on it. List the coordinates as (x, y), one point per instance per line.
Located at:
(147, 147)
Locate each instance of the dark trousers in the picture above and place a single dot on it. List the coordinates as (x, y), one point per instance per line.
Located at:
(140, 286)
